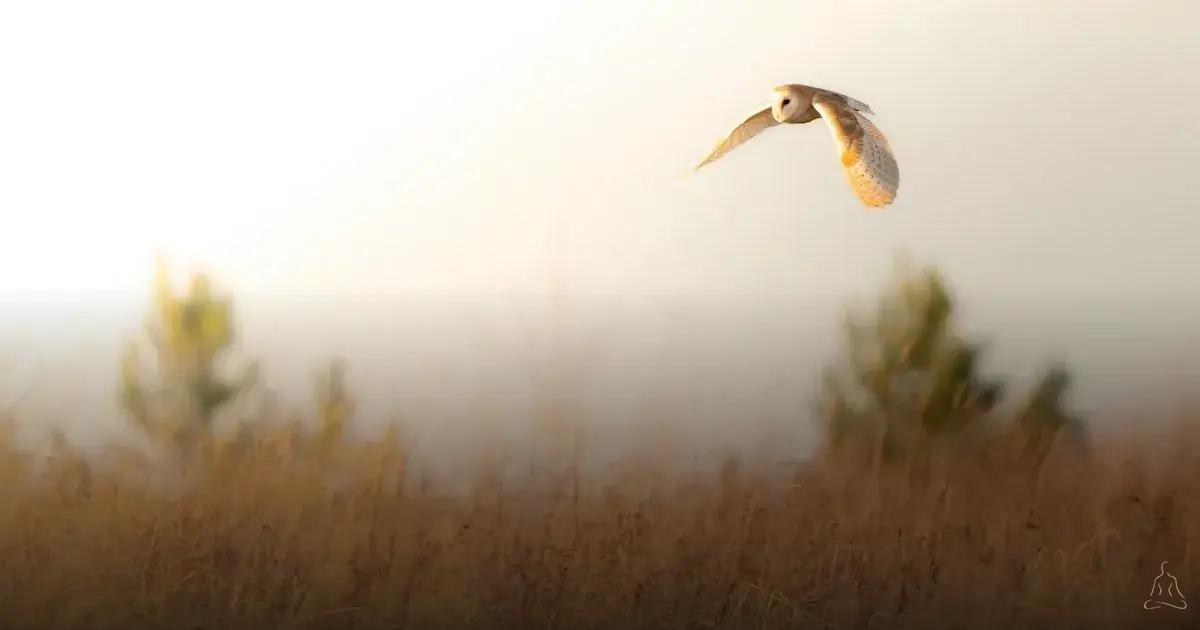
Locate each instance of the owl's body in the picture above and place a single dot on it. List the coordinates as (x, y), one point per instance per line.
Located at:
(863, 150)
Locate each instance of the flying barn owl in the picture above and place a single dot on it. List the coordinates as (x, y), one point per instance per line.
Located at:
(863, 150)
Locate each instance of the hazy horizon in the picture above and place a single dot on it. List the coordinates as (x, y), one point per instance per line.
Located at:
(459, 368)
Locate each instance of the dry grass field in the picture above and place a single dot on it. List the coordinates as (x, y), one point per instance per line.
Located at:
(274, 535)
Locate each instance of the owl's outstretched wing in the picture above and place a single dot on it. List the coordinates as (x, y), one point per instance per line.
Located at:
(749, 128)
(854, 104)
(863, 150)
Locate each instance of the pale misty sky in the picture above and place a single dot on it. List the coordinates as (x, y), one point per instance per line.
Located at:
(436, 147)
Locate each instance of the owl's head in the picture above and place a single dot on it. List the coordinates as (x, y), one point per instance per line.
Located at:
(790, 102)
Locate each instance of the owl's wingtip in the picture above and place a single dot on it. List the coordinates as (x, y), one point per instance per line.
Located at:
(876, 202)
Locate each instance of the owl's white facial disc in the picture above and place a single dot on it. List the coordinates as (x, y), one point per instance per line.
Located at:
(786, 105)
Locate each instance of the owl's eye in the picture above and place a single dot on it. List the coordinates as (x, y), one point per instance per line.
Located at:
(786, 102)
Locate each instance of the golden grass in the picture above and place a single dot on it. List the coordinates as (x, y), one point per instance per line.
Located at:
(262, 539)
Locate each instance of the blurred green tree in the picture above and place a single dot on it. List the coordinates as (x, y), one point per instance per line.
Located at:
(334, 405)
(910, 380)
(1044, 420)
(189, 335)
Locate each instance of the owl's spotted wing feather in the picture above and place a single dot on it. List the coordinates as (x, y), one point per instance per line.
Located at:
(749, 128)
(863, 150)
